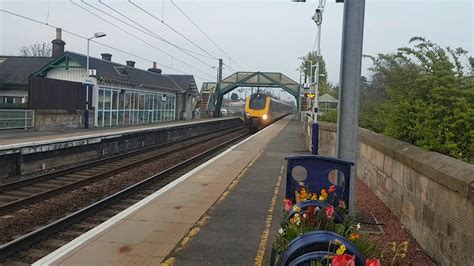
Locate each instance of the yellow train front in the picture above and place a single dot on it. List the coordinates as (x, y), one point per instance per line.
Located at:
(261, 110)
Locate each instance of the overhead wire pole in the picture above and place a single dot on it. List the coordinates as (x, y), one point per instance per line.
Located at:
(217, 112)
(351, 60)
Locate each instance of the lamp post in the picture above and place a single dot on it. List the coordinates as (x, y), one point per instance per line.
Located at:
(86, 113)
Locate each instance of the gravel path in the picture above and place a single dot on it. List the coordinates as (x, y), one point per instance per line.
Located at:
(367, 202)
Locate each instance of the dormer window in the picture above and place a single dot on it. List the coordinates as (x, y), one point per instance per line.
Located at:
(122, 71)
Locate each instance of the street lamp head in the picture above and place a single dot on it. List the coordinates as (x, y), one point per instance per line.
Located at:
(99, 34)
(318, 16)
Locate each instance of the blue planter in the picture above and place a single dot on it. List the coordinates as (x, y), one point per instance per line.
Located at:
(317, 170)
(314, 246)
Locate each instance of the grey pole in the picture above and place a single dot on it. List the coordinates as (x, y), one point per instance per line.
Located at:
(351, 58)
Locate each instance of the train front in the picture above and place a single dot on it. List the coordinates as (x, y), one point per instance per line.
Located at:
(257, 113)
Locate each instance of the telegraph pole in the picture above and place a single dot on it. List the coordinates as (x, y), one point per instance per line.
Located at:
(351, 59)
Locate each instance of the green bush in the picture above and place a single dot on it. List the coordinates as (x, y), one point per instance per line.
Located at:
(329, 116)
(425, 97)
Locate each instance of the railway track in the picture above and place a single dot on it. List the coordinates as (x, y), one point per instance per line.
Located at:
(61, 231)
(16, 195)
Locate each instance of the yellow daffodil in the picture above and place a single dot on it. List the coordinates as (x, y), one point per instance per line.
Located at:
(341, 250)
(302, 195)
(314, 196)
(323, 197)
(296, 208)
(354, 236)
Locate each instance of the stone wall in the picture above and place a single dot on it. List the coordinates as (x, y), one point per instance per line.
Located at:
(430, 193)
(61, 119)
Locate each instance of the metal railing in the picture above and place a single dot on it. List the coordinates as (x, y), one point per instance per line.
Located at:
(16, 118)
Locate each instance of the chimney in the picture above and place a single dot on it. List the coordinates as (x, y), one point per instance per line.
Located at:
(154, 69)
(130, 63)
(58, 44)
(106, 56)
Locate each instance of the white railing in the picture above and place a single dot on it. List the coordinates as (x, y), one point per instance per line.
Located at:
(16, 118)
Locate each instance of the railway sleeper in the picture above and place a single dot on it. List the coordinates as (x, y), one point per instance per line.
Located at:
(52, 244)
(16, 193)
(56, 182)
(106, 168)
(66, 179)
(83, 226)
(44, 186)
(69, 234)
(31, 189)
(33, 254)
(107, 213)
(91, 172)
(130, 201)
(95, 219)
(7, 199)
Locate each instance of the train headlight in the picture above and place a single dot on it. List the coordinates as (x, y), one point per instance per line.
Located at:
(247, 114)
(265, 117)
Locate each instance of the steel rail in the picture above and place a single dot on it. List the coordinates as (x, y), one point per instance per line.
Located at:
(32, 237)
(80, 183)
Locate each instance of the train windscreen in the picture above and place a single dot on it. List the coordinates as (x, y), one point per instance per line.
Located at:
(257, 101)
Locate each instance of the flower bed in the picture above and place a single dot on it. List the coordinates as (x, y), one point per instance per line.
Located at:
(317, 229)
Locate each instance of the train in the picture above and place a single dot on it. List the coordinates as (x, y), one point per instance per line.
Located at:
(261, 110)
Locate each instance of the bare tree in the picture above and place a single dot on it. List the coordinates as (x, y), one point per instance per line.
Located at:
(36, 49)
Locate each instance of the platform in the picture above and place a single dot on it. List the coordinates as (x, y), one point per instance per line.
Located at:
(24, 138)
(221, 212)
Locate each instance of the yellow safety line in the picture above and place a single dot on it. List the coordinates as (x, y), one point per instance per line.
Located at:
(268, 223)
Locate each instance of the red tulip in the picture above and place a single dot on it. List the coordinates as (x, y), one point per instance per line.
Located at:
(330, 212)
(332, 189)
(372, 262)
(288, 204)
(343, 260)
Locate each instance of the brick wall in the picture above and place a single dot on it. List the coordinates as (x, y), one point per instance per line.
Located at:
(430, 193)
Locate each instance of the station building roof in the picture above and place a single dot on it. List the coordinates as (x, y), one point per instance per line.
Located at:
(111, 72)
(16, 70)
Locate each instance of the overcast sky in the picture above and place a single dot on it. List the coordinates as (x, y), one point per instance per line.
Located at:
(258, 35)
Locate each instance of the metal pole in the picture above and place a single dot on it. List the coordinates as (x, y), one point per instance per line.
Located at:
(351, 58)
(316, 89)
(218, 90)
(86, 112)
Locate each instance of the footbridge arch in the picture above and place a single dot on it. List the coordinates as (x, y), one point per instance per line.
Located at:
(255, 79)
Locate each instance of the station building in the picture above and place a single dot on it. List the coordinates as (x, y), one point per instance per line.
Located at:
(52, 91)
(123, 94)
(14, 78)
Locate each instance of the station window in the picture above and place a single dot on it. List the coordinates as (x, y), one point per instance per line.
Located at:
(120, 107)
